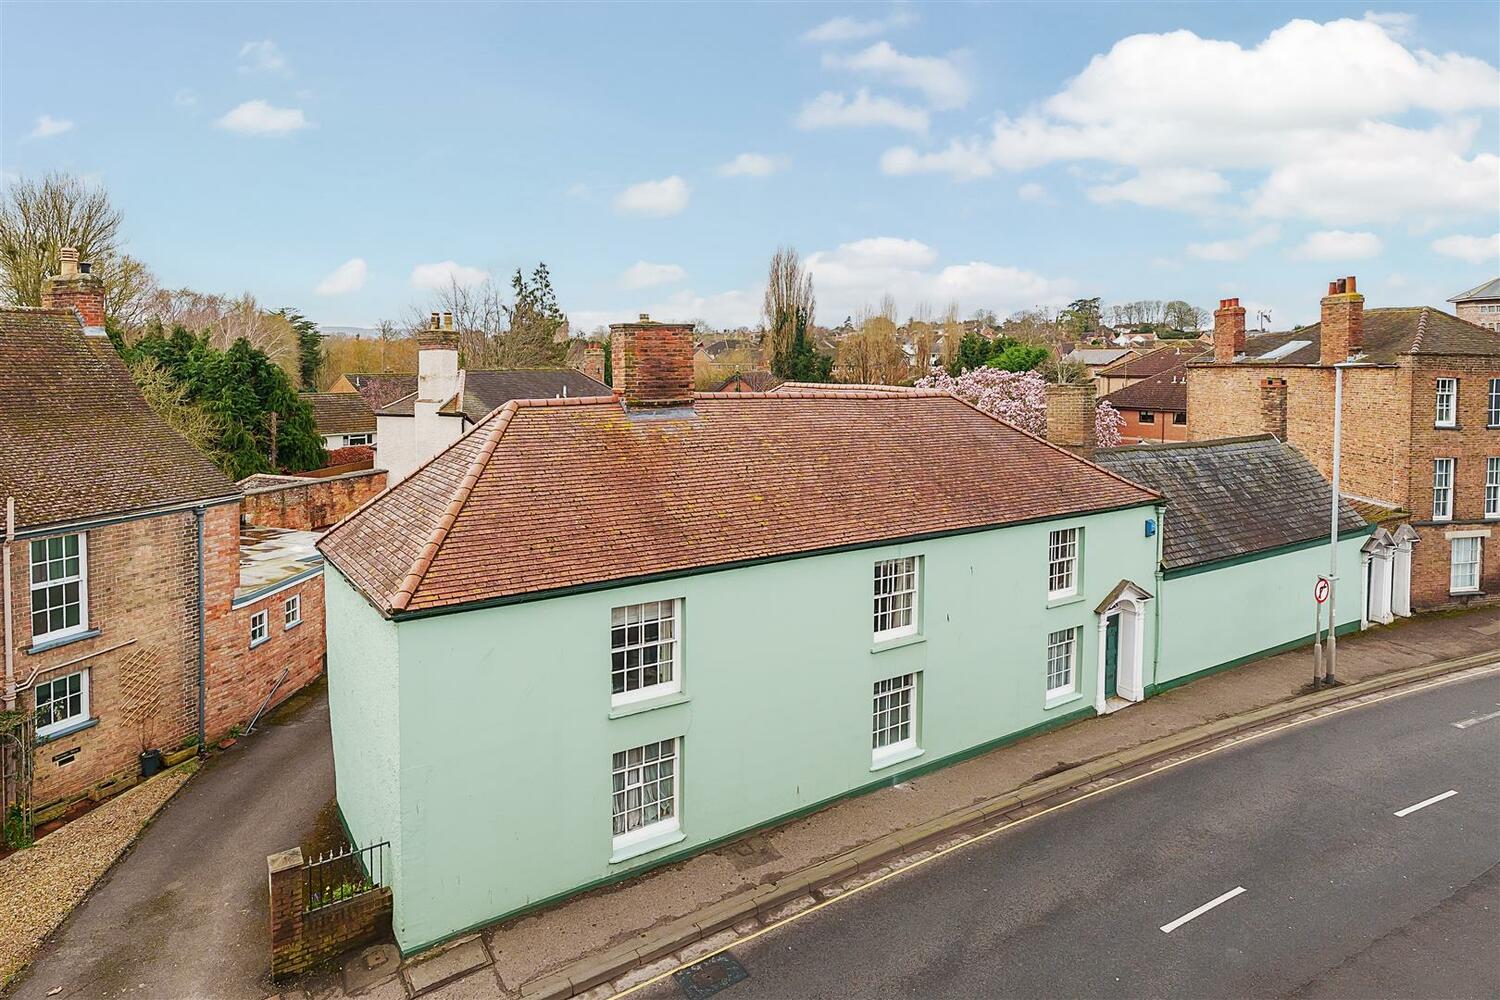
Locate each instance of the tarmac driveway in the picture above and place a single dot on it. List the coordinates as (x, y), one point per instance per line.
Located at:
(183, 914)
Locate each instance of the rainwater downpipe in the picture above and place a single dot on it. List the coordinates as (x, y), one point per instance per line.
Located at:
(198, 514)
(10, 652)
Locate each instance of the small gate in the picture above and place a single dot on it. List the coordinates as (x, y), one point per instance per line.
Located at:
(17, 752)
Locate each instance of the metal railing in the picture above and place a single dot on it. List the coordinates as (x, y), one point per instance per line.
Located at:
(344, 874)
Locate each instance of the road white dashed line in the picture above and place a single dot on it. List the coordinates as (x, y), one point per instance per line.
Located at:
(1427, 802)
(1191, 914)
(1476, 720)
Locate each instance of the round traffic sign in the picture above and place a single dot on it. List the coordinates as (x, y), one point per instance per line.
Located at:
(1320, 590)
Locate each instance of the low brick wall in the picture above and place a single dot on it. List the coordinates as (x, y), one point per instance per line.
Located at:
(308, 504)
(302, 940)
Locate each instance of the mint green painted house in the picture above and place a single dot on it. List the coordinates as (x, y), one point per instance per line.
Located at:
(1245, 537)
(597, 635)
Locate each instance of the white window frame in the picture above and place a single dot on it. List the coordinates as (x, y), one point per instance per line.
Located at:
(896, 605)
(1491, 488)
(1064, 645)
(1063, 564)
(1464, 574)
(626, 777)
(354, 440)
(1492, 411)
(1446, 393)
(70, 721)
(291, 612)
(1442, 489)
(893, 713)
(622, 644)
(260, 624)
(81, 578)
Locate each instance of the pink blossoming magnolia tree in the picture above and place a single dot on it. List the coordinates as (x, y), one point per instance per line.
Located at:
(1019, 398)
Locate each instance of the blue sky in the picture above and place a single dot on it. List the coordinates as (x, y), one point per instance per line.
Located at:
(337, 158)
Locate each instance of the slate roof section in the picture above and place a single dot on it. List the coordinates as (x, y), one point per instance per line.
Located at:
(1388, 334)
(1155, 362)
(77, 440)
(1232, 497)
(1165, 393)
(1488, 291)
(382, 388)
(341, 412)
(484, 391)
(547, 495)
(1099, 355)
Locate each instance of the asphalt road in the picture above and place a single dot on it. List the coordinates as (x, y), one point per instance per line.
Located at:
(184, 913)
(1341, 898)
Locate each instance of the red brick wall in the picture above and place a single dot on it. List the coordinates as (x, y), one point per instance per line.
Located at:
(1163, 429)
(313, 505)
(653, 362)
(142, 597)
(302, 940)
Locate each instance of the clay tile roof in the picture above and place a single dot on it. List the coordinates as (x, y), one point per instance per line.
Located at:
(341, 412)
(547, 495)
(77, 440)
(1164, 392)
(1388, 333)
(1231, 497)
(1154, 362)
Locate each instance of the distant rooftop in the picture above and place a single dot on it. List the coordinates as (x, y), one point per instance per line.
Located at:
(273, 557)
(1487, 291)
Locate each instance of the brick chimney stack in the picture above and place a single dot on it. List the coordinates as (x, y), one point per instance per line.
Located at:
(1343, 322)
(1229, 331)
(652, 363)
(1070, 417)
(76, 288)
(1273, 406)
(593, 360)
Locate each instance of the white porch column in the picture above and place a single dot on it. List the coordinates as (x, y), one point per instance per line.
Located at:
(1099, 680)
(1401, 582)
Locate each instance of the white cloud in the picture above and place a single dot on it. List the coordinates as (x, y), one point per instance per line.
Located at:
(47, 126)
(1032, 191)
(262, 57)
(1312, 114)
(1235, 249)
(1474, 249)
(859, 273)
(1183, 188)
(1336, 244)
(938, 78)
(853, 29)
(446, 274)
(347, 277)
(962, 160)
(752, 165)
(835, 110)
(260, 118)
(668, 196)
(644, 274)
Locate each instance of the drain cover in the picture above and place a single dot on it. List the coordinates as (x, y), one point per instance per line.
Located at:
(709, 976)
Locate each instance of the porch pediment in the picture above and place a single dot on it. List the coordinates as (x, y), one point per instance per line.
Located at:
(1124, 590)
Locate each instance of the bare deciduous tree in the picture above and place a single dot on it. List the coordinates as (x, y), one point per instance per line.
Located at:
(789, 291)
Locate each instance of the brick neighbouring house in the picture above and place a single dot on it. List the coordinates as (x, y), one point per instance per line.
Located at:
(1480, 305)
(343, 419)
(751, 381)
(1421, 427)
(1129, 371)
(108, 637)
(1155, 409)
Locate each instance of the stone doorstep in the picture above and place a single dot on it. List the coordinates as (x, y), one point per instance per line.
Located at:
(437, 968)
(649, 946)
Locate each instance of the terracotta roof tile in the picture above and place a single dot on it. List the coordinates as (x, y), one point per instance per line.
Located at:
(549, 494)
(341, 412)
(1164, 392)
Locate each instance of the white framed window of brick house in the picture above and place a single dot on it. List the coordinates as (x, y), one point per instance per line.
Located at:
(645, 782)
(1062, 563)
(62, 703)
(1148, 416)
(291, 612)
(895, 596)
(893, 733)
(644, 643)
(351, 440)
(1492, 409)
(1442, 489)
(59, 587)
(1447, 403)
(1062, 664)
(1463, 566)
(260, 629)
(1492, 487)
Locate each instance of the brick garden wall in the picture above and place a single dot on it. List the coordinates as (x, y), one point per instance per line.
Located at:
(301, 940)
(314, 504)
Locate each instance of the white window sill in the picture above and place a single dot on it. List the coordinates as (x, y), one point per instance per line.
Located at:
(1061, 600)
(259, 642)
(629, 708)
(1466, 592)
(653, 841)
(887, 757)
(44, 643)
(880, 645)
(288, 628)
(1061, 698)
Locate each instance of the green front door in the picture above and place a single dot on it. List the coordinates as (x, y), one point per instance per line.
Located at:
(1111, 656)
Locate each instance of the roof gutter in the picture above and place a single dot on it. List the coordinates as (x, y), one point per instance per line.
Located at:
(104, 521)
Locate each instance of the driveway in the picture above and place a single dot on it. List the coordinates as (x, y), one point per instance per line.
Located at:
(183, 914)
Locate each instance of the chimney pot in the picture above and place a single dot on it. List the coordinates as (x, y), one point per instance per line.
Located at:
(447, 321)
(1349, 281)
(436, 319)
(645, 318)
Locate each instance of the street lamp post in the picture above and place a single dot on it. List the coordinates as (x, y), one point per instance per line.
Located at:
(1333, 529)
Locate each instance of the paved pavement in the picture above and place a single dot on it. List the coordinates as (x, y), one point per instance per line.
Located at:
(1341, 898)
(183, 914)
